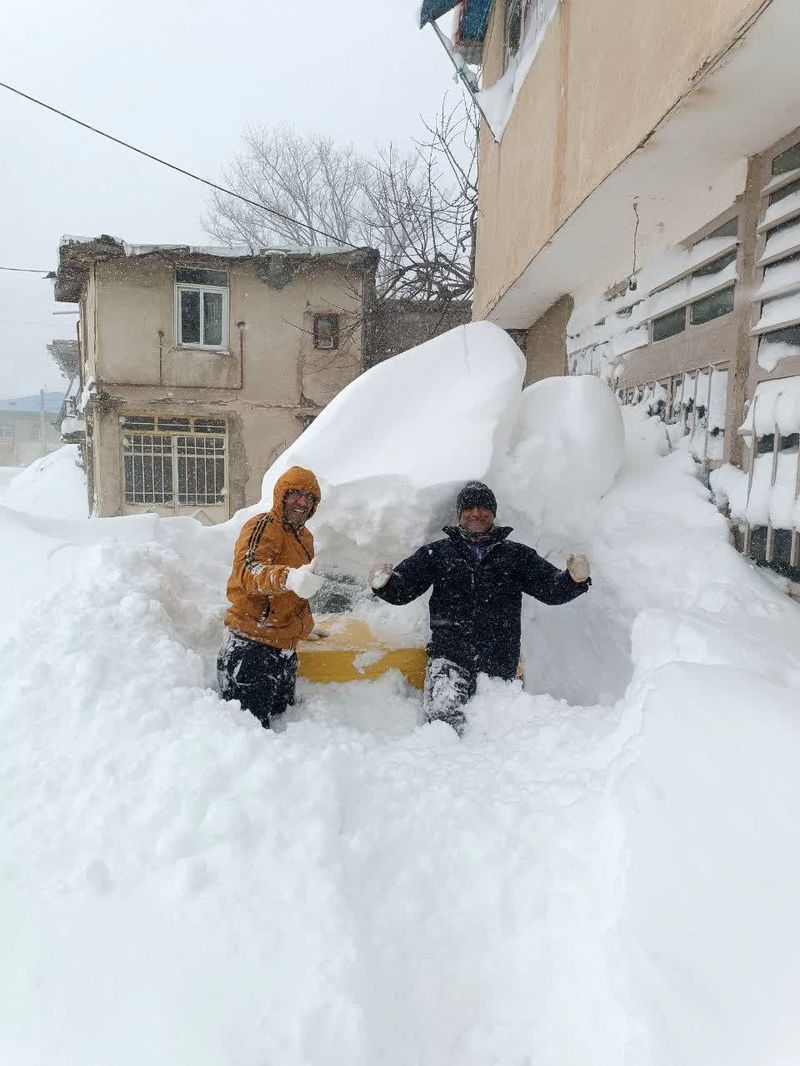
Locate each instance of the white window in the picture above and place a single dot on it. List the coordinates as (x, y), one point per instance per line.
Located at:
(174, 463)
(6, 431)
(201, 308)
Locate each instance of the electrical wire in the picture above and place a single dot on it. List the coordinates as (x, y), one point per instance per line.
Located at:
(25, 270)
(175, 167)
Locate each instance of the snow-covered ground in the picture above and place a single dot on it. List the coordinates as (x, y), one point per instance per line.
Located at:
(53, 485)
(604, 871)
(7, 474)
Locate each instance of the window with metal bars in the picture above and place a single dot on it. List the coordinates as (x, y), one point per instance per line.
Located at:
(179, 463)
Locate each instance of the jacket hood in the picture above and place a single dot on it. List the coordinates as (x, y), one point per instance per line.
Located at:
(299, 479)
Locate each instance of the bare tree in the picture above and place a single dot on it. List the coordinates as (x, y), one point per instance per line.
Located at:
(417, 207)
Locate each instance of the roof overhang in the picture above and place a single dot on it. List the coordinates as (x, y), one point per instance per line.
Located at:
(77, 254)
(689, 170)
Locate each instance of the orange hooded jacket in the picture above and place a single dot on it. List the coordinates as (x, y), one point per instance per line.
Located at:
(261, 609)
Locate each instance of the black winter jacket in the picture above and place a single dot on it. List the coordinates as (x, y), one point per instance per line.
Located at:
(475, 606)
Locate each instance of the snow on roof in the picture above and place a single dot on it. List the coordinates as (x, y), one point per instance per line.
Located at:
(218, 251)
(76, 253)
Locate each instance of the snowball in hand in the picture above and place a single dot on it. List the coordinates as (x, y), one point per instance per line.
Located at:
(303, 581)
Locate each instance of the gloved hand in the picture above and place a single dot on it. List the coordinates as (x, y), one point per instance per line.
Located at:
(302, 581)
(379, 575)
(578, 568)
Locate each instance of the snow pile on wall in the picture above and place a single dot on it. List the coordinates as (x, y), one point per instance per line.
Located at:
(393, 448)
(54, 486)
(566, 450)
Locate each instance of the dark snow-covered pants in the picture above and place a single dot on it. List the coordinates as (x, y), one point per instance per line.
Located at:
(448, 686)
(260, 677)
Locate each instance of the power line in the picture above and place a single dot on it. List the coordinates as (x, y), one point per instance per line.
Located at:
(175, 167)
(25, 270)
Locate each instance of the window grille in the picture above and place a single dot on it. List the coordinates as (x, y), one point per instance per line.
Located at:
(6, 431)
(773, 456)
(695, 403)
(180, 462)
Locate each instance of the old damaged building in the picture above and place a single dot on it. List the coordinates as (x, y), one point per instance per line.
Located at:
(198, 366)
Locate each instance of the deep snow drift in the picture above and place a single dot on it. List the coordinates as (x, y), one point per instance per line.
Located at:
(609, 882)
(53, 485)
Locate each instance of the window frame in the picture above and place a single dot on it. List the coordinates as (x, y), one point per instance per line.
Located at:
(669, 314)
(166, 427)
(333, 346)
(706, 300)
(223, 291)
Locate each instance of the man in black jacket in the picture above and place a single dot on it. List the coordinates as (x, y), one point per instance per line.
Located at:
(478, 577)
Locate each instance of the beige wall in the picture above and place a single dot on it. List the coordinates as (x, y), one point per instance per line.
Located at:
(545, 343)
(267, 380)
(607, 72)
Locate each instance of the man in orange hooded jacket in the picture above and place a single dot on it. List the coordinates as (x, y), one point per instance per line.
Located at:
(269, 588)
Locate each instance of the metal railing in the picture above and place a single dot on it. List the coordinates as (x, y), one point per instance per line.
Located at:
(752, 434)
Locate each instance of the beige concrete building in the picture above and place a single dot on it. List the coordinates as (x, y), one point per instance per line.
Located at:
(640, 205)
(198, 366)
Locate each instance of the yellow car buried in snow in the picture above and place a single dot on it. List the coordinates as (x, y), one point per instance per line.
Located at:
(350, 651)
(356, 648)
(353, 647)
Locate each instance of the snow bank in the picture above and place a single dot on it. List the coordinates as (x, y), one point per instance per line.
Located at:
(54, 486)
(566, 450)
(612, 880)
(771, 353)
(393, 448)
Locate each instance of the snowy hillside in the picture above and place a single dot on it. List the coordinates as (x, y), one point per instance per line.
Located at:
(610, 880)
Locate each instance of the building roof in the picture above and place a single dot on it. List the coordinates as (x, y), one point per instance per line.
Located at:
(76, 254)
(29, 405)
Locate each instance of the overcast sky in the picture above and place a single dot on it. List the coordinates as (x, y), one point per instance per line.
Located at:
(181, 80)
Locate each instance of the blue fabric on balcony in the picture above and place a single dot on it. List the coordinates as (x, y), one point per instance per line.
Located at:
(474, 16)
(434, 9)
(474, 20)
